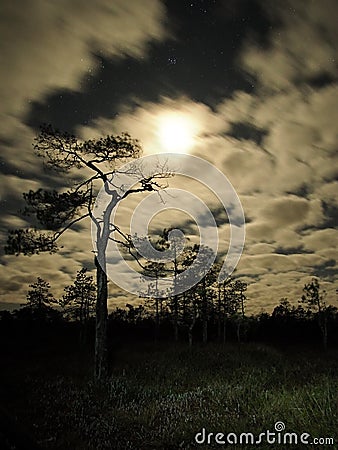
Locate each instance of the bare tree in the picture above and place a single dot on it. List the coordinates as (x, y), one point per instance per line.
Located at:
(98, 163)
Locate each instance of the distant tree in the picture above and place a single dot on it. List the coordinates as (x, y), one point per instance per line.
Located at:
(135, 314)
(206, 298)
(199, 298)
(98, 162)
(172, 268)
(39, 296)
(239, 289)
(118, 315)
(191, 312)
(314, 299)
(300, 313)
(154, 298)
(39, 299)
(227, 305)
(204, 290)
(283, 310)
(174, 300)
(190, 301)
(78, 301)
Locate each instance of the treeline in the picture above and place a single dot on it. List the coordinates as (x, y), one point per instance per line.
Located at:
(43, 314)
(287, 324)
(207, 312)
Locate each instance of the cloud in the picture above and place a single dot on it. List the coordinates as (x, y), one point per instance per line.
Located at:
(144, 121)
(45, 47)
(51, 45)
(298, 144)
(291, 211)
(21, 271)
(318, 240)
(303, 47)
(277, 144)
(282, 180)
(258, 249)
(328, 192)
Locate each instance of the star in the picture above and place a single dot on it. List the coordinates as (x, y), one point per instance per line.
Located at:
(172, 60)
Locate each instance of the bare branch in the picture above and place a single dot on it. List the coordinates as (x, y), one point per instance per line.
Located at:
(59, 233)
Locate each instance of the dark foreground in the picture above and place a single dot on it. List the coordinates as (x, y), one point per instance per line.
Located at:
(160, 396)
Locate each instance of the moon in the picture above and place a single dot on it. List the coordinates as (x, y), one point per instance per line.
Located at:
(176, 133)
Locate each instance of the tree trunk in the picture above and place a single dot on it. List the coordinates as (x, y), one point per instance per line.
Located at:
(157, 319)
(175, 297)
(323, 328)
(204, 312)
(176, 330)
(219, 315)
(190, 335)
(176, 318)
(191, 327)
(205, 330)
(325, 339)
(101, 359)
(219, 333)
(224, 329)
(239, 331)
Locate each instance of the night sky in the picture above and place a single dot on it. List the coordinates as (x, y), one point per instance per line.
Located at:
(258, 80)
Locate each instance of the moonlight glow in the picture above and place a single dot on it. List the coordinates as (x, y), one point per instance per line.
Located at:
(176, 133)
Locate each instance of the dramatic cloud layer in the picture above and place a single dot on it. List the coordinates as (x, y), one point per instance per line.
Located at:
(303, 49)
(277, 143)
(49, 46)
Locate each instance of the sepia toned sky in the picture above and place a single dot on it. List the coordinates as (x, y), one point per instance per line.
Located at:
(255, 83)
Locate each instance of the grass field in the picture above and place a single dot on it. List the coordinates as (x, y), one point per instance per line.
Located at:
(160, 396)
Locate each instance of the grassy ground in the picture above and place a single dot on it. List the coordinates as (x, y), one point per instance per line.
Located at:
(160, 396)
